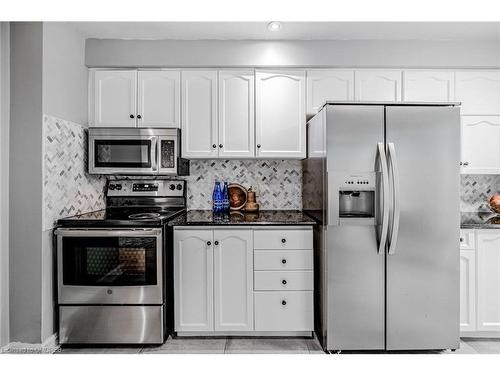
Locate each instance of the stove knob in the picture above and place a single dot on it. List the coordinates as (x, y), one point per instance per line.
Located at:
(118, 187)
(179, 187)
(172, 187)
(111, 187)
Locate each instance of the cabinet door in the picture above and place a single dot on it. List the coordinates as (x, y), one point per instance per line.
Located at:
(193, 280)
(467, 290)
(480, 144)
(488, 280)
(479, 92)
(233, 280)
(280, 114)
(158, 99)
(236, 114)
(323, 85)
(377, 85)
(428, 86)
(199, 114)
(115, 98)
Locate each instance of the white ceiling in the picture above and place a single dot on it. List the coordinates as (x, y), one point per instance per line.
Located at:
(292, 30)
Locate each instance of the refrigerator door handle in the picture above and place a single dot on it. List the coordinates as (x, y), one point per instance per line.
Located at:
(396, 203)
(385, 198)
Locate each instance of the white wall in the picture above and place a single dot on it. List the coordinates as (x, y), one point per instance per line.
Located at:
(4, 182)
(255, 53)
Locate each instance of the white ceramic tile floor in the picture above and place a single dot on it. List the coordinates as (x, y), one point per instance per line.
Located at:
(259, 345)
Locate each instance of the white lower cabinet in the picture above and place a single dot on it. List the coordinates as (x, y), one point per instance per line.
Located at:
(233, 291)
(488, 280)
(467, 290)
(219, 289)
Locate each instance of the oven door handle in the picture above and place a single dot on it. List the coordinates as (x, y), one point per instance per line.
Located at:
(108, 232)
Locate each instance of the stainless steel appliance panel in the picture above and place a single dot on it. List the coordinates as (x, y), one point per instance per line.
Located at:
(423, 256)
(110, 294)
(352, 135)
(111, 324)
(355, 289)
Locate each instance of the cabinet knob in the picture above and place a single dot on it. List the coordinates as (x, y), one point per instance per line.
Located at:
(466, 163)
(283, 261)
(132, 116)
(283, 240)
(216, 243)
(461, 239)
(258, 146)
(139, 117)
(283, 302)
(209, 243)
(461, 163)
(221, 145)
(283, 282)
(214, 145)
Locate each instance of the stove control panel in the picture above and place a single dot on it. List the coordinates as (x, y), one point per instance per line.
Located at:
(152, 188)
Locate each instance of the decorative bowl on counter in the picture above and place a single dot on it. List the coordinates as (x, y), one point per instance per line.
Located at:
(237, 196)
(494, 203)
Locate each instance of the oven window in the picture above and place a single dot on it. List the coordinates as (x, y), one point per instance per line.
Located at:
(109, 261)
(133, 153)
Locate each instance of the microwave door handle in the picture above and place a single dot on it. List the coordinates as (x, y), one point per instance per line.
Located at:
(396, 198)
(154, 153)
(385, 198)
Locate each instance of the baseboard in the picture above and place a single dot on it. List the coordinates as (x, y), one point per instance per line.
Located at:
(245, 334)
(480, 334)
(49, 346)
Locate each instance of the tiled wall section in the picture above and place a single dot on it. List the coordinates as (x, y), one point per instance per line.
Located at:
(475, 190)
(278, 182)
(67, 188)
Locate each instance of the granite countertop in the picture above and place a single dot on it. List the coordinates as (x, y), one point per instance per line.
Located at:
(265, 217)
(479, 220)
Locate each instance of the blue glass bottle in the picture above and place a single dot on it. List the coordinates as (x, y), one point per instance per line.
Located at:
(225, 198)
(217, 198)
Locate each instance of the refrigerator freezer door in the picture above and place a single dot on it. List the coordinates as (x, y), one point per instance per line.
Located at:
(422, 275)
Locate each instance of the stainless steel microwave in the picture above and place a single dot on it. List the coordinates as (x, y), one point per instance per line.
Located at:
(135, 151)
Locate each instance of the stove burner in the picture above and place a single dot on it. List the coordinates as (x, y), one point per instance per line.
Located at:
(145, 215)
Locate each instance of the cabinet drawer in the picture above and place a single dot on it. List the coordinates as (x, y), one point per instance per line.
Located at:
(284, 311)
(275, 260)
(467, 239)
(283, 280)
(283, 239)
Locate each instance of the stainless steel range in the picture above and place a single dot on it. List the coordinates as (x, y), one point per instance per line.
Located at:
(114, 265)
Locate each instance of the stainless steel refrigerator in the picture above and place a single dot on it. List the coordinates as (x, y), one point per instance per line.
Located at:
(383, 181)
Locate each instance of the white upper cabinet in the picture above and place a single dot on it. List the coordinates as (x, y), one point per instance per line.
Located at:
(158, 99)
(115, 98)
(236, 114)
(233, 280)
(199, 114)
(280, 114)
(378, 85)
(488, 279)
(428, 86)
(480, 144)
(323, 85)
(479, 92)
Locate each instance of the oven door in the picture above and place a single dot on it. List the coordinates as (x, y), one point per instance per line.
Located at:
(167, 155)
(123, 155)
(110, 266)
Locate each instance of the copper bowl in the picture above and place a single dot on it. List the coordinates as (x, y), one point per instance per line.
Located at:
(494, 203)
(237, 196)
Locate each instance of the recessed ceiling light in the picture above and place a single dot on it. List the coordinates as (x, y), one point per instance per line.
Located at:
(274, 26)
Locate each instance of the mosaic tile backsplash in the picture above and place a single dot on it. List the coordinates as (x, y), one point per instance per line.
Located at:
(67, 188)
(475, 191)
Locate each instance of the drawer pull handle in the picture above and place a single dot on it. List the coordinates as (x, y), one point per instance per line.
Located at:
(283, 282)
(209, 243)
(283, 261)
(283, 240)
(283, 302)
